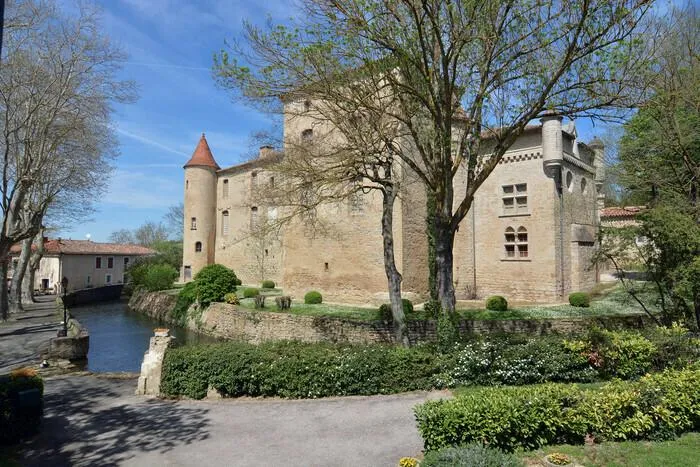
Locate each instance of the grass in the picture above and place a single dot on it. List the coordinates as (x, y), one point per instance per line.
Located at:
(675, 453)
(613, 301)
(334, 311)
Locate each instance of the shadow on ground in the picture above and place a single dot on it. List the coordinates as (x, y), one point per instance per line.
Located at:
(94, 421)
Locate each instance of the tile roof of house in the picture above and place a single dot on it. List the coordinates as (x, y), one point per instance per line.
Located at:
(202, 156)
(87, 247)
(621, 211)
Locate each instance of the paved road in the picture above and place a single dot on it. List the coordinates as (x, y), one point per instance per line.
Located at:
(98, 421)
(25, 334)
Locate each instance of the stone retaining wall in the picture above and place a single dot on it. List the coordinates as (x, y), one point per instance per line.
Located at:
(232, 322)
(93, 295)
(74, 346)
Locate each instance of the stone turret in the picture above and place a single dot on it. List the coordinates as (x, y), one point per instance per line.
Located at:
(552, 150)
(599, 161)
(200, 210)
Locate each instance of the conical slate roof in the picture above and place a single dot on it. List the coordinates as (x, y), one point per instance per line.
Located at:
(202, 156)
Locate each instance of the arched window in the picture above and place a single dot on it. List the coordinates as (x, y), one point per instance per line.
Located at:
(193, 223)
(510, 242)
(187, 184)
(253, 180)
(224, 223)
(198, 247)
(521, 242)
(307, 134)
(569, 181)
(516, 244)
(583, 185)
(225, 189)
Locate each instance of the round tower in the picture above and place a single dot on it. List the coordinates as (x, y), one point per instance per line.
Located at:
(199, 211)
(552, 150)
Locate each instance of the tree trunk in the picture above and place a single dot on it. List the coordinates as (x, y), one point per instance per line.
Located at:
(392, 274)
(18, 276)
(444, 261)
(34, 262)
(4, 261)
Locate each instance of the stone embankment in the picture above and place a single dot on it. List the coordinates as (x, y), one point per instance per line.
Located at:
(72, 347)
(231, 322)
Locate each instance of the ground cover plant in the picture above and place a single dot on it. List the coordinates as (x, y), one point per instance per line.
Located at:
(474, 454)
(657, 406)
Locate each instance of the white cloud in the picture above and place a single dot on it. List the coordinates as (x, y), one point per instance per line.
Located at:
(149, 140)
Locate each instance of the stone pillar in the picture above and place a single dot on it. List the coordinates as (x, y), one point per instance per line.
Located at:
(152, 365)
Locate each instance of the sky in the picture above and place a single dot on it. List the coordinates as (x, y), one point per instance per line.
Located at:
(170, 45)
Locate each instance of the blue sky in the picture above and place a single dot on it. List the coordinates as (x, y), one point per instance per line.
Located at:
(170, 45)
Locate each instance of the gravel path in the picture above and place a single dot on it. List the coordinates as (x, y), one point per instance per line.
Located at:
(98, 421)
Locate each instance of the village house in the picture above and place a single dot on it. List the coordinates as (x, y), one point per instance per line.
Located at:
(530, 235)
(84, 263)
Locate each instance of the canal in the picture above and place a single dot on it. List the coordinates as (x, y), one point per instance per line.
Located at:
(119, 337)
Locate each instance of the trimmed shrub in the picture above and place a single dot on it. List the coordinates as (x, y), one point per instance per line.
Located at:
(313, 298)
(621, 354)
(268, 284)
(21, 405)
(284, 302)
(213, 282)
(580, 299)
(472, 455)
(296, 369)
(232, 299)
(657, 406)
(676, 347)
(496, 303)
(250, 292)
(159, 277)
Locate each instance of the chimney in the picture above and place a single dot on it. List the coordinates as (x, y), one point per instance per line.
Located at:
(266, 152)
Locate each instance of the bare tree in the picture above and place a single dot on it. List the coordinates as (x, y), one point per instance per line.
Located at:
(150, 233)
(57, 85)
(174, 219)
(122, 236)
(466, 78)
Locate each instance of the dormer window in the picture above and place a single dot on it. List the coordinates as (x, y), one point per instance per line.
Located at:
(307, 135)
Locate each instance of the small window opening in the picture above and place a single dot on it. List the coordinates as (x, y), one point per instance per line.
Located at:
(307, 134)
(325, 265)
(193, 223)
(198, 247)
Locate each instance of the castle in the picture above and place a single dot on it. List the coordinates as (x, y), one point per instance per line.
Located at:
(530, 234)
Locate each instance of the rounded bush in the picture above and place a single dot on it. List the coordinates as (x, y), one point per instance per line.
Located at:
(232, 299)
(268, 284)
(313, 298)
(496, 303)
(580, 299)
(213, 282)
(251, 292)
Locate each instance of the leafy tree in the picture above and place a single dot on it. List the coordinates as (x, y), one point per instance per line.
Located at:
(446, 82)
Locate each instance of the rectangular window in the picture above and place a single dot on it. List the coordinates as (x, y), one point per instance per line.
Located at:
(522, 251)
(514, 199)
(88, 281)
(253, 218)
(224, 223)
(126, 262)
(193, 223)
(98, 262)
(510, 251)
(225, 189)
(110, 263)
(108, 278)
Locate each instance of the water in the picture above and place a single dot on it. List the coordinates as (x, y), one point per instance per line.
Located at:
(119, 337)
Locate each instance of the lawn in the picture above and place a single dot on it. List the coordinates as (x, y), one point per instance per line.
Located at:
(683, 451)
(335, 311)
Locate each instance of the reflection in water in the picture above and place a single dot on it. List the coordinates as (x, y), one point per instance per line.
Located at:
(119, 337)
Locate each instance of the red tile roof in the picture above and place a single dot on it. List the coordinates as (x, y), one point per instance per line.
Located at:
(87, 247)
(624, 211)
(202, 156)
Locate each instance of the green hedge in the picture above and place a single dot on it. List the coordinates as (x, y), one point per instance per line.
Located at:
(159, 277)
(496, 303)
(268, 284)
(313, 298)
(21, 405)
(580, 299)
(250, 292)
(658, 406)
(296, 370)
